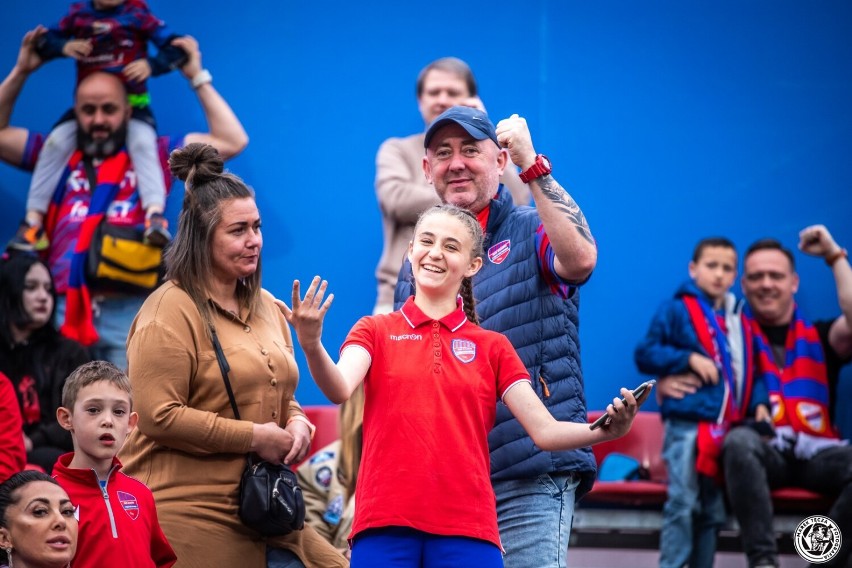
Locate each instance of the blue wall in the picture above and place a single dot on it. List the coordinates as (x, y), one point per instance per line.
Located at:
(667, 121)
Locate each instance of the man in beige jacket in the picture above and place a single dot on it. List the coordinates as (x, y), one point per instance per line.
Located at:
(401, 188)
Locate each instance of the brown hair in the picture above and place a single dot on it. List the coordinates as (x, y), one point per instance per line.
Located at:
(351, 439)
(90, 373)
(470, 221)
(189, 260)
(720, 242)
(772, 244)
(452, 65)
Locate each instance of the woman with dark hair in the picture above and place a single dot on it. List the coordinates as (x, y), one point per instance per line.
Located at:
(38, 528)
(34, 356)
(188, 446)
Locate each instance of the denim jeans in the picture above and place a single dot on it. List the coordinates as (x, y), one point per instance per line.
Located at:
(753, 468)
(535, 519)
(282, 558)
(112, 317)
(695, 508)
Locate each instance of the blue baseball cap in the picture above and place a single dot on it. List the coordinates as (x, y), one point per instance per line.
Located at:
(474, 121)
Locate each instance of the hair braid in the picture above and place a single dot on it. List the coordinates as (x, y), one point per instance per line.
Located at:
(468, 301)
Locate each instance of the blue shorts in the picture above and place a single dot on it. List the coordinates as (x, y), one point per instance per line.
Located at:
(402, 547)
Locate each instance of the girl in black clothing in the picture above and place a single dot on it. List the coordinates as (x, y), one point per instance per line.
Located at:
(34, 356)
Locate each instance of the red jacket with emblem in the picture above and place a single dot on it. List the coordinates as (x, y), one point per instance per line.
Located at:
(118, 524)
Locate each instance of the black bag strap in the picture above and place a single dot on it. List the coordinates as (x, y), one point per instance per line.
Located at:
(91, 174)
(225, 368)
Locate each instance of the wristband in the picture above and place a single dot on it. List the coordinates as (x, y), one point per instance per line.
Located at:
(831, 259)
(201, 78)
(303, 419)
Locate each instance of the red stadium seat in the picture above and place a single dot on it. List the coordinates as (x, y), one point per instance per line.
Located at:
(644, 442)
(325, 418)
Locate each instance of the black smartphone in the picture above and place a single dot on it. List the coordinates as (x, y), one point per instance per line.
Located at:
(637, 392)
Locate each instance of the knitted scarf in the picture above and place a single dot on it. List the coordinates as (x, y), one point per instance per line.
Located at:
(799, 392)
(78, 323)
(713, 340)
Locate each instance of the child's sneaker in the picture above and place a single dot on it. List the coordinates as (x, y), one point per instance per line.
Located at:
(157, 230)
(28, 238)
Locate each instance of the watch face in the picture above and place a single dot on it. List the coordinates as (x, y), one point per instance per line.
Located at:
(545, 162)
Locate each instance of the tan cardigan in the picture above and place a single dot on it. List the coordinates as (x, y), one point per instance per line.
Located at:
(403, 193)
(187, 447)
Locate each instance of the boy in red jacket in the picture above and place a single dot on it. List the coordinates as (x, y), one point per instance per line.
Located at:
(116, 514)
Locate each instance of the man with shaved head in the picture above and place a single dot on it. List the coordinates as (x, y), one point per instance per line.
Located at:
(100, 183)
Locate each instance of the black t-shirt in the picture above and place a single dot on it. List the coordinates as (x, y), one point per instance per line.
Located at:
(777, 336)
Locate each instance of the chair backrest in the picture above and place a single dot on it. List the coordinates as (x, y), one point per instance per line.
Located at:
(644, 442)
(325, 418)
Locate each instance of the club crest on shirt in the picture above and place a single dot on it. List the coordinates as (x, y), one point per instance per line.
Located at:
(464, 350)
(129, 504)
(498, 253)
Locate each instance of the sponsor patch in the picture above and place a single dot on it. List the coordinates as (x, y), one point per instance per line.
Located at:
(334, 511)
(323, 476)
(129, 504)
(498, 253)
(321, 457)
(464, 350)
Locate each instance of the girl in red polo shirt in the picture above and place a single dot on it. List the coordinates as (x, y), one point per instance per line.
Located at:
(431, 379)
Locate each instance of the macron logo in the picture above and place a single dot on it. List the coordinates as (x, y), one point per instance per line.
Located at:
(406, 337)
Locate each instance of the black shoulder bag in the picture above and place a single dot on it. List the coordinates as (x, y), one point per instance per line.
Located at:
(271, 500)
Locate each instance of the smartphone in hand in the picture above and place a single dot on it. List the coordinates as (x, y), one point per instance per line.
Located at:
(637, 392)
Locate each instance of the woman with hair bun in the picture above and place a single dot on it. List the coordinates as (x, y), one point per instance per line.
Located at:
(188, 447)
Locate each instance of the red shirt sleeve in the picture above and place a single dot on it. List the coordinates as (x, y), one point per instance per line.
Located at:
(507, 364)
(13, 457)
(363, 334)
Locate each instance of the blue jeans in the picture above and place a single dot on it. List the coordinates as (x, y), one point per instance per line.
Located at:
(535, 519)
(403, 547)
(695, 508)
(282, 558)
(112, 317)
(753, 468)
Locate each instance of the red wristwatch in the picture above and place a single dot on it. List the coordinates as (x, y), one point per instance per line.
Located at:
(541, 167)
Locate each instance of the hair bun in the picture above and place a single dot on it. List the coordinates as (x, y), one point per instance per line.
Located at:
(196, 163)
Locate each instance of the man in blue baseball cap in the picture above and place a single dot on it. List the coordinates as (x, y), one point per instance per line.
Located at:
(527, 289)
(473, 120)
(402, 191)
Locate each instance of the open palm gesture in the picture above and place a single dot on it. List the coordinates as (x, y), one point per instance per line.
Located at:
(307, 314)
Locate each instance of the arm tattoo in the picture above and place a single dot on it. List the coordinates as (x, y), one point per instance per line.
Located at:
(565, 203)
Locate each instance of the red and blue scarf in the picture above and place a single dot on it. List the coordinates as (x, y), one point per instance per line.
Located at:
(735, 403)
(798, 393)
(78, 323)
